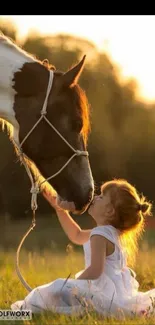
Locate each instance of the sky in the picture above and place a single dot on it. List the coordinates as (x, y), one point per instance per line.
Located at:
(128, 39)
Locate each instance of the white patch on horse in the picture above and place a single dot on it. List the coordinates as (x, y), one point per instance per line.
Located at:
(12, 59)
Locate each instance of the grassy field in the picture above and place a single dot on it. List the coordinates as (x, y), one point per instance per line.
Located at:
(48, 262)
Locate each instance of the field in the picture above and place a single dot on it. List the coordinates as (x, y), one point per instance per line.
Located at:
(42, 260)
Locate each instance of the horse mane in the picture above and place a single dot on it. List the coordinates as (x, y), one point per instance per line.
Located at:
(9, 128)
(80, 96)
(9, 42)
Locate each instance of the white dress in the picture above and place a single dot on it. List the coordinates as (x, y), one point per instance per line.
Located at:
(115, 293)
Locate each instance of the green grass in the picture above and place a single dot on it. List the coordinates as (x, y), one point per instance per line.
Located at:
(42, 268)
(46, 257)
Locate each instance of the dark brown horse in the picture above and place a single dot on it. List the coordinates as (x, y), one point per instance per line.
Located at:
(23, 87)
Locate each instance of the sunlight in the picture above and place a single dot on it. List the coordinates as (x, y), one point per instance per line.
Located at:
(128, 39)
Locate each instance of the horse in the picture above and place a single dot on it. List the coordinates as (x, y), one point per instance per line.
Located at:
(56, 144)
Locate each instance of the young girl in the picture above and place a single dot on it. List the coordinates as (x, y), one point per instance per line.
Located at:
(106, 285)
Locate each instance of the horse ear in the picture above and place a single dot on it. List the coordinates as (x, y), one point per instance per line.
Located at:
(71, 77)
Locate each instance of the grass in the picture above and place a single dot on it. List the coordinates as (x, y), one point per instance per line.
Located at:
(43, 262)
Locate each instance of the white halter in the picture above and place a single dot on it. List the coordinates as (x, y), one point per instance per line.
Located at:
(34, 188)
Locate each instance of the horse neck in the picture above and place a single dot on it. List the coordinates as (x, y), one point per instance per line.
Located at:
(12, 60)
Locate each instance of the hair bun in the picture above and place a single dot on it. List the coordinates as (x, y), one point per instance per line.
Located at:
(144, 207)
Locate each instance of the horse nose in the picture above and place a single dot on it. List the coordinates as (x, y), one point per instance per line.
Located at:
(90, 194)
(84, 201)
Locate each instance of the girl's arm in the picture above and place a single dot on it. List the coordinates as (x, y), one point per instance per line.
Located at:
(70, 227)
(98, 254)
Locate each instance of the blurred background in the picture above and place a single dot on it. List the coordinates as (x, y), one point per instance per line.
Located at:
(119, 80)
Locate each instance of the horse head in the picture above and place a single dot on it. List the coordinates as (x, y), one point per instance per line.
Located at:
(68, 111)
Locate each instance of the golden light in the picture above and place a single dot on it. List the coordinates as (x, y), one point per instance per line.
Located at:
(130, 40)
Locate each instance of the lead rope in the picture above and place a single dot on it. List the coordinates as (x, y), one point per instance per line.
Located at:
(34, 191)
(25, 284)
(34, 187)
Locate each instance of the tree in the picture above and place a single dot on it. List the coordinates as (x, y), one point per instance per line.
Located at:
(8, 28)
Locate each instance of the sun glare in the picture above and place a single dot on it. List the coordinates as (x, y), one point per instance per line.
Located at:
(128, 39)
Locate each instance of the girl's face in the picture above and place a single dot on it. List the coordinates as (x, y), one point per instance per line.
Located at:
(101, 208)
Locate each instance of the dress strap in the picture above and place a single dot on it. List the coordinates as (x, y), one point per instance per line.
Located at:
(108, 232)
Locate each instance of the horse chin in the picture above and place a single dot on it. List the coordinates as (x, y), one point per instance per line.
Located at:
(69, 206)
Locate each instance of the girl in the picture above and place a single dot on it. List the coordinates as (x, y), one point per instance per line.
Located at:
(106, 285)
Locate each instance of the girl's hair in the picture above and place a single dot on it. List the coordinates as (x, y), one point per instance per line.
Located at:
(130, 212)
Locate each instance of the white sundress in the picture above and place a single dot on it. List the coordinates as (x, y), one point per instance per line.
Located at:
(115, 293)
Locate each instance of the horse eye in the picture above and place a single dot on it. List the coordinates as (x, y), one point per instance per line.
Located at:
(78, 125)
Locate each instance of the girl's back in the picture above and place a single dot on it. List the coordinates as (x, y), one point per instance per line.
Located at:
(116, 273)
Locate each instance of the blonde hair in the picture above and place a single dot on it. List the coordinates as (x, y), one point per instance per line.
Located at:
(131, 209)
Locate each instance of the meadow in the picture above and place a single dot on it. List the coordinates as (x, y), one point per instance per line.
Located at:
(47, 254)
